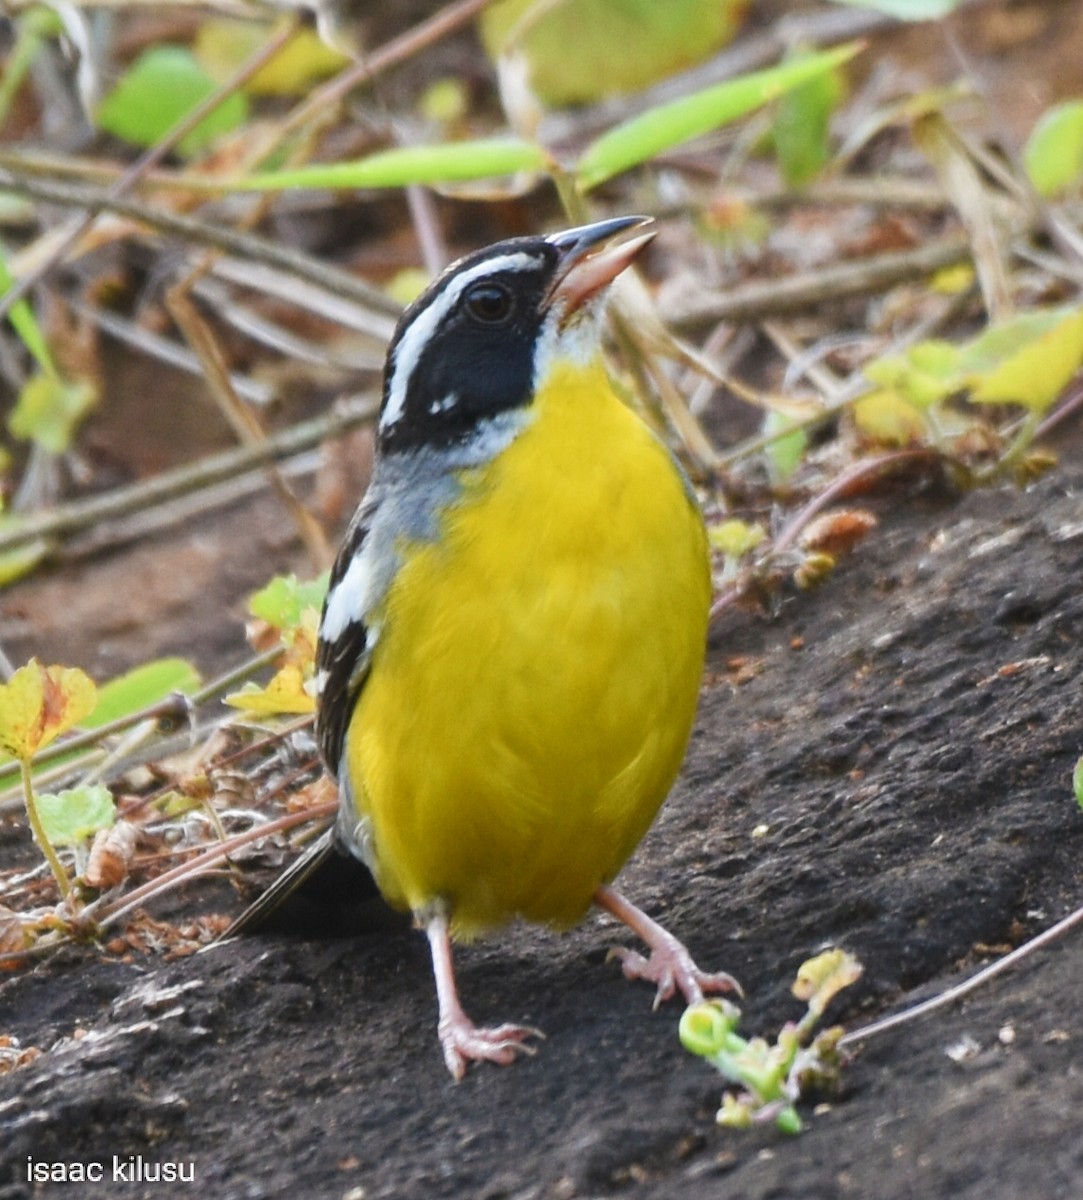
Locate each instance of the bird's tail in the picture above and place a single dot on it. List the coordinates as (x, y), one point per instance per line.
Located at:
(296, 874)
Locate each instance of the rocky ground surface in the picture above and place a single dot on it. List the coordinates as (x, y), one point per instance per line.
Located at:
(892, 775)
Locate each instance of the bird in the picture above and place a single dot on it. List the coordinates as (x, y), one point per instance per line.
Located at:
(513, 637)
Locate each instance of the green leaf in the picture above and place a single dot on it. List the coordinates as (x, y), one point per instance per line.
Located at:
(49, 409)
(887, 417)
(570, 46)
(39, 703)
(668, 125)
(1027, 360)
(160, 88)
(285, 694)
(73, 816)
(735, 538)
(453, 162)
(785, 450)
(283, 600)
(1077, 782)
(445, 101)
(25, 324)
(800, 129)
(1053, 155)
(907, 10)
(141, 687)
(923, 375)
(223, 44)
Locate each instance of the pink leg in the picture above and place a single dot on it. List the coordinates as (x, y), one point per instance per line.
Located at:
(461, 1039)
(670, 965)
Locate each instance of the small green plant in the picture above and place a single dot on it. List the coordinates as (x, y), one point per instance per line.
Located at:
(36, 706)
(734, 540)
(286, 614)
(1025, 361)
(773, 1078)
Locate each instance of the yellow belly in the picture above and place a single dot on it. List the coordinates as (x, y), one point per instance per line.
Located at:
(536, 676)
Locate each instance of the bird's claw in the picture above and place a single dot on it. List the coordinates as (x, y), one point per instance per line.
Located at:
(463, 1042)
(672, 968)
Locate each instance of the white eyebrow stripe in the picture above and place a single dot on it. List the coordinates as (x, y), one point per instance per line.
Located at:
(412, 344)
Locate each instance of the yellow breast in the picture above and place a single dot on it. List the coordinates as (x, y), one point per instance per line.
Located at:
(535, 681)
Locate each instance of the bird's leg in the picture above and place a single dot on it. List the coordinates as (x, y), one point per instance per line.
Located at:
(670, 965)
(461, 1039)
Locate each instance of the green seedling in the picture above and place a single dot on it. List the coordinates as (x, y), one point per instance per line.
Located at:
(287, 613)
(36, 706)
(1025, 361)
(772, 1078)
(283, 602)
(735, 540)
(50, 409)
(72, 817)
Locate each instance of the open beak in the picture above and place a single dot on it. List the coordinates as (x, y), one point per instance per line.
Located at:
(591, 258)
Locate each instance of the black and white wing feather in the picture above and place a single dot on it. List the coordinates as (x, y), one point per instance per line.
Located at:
(343, 654)
(344, 649)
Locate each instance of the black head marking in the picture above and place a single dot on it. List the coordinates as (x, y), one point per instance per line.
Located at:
(464, 350)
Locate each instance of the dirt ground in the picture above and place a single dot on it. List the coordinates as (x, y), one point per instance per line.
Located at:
(906, 740)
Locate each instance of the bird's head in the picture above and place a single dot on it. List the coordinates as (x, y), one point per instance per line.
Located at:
(481, 339)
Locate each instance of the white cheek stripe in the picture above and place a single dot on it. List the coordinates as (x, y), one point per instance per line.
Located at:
(415, 338)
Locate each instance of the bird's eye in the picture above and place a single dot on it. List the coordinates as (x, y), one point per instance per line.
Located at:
(489, 303)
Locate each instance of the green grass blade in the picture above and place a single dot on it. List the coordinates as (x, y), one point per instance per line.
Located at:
(456, 162)
(142, 687)
(642, 137)
(25, 323)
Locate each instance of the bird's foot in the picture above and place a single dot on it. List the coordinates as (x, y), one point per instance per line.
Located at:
(463, 1042)
(670, 966)
(673, 969)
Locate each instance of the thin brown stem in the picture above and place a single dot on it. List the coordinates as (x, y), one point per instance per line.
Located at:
(950, 995)
(78, 515)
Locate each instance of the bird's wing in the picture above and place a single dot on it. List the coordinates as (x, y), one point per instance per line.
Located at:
(344, 650)
(342, 657)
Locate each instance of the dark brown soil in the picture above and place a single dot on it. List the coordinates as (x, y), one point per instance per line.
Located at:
(907, 745)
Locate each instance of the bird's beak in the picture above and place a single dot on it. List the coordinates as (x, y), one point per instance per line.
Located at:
(591, 258)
